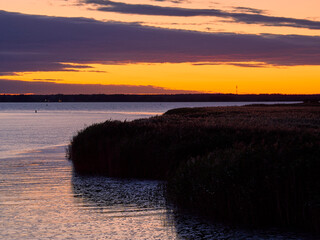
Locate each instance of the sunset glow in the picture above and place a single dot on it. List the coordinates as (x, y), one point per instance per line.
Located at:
(160, 46)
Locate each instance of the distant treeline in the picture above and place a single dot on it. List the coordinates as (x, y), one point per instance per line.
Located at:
(158, 98)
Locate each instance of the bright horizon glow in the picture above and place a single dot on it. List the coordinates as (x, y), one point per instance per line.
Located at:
(200, 78)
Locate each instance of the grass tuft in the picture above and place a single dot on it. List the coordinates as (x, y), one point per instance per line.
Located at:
(256, 165)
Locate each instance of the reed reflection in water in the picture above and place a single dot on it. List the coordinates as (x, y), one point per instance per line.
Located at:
(133, 208)
(142, 205)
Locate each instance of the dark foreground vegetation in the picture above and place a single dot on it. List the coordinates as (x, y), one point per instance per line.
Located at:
(255, 165)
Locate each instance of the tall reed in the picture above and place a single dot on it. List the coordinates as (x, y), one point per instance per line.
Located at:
(254, 165)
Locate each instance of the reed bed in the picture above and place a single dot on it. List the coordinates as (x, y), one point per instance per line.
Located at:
(256, 165)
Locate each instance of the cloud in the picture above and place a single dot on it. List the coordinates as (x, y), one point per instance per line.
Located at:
(145, 9)
(41, 87)
(243, 15)
(8, 74)
(48, 79)
(41, 43)
(248, 10)
(173, 1)
(247, 65)
(25, 63)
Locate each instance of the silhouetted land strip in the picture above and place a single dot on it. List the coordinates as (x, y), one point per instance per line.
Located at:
(159, 98)
(256, 165)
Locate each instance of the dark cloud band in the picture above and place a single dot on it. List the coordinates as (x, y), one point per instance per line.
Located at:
(40, 43)
(43, 87)
(243, 15)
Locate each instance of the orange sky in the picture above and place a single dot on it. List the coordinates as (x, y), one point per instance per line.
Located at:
(264, 72)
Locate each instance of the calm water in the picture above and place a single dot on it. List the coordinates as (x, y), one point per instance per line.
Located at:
(41, 197)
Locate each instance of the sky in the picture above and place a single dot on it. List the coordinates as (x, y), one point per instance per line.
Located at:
(159, 46)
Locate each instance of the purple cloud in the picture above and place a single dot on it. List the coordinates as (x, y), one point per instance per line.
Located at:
(41, 43)
(248, 10)
(243, 15)
(41, 87)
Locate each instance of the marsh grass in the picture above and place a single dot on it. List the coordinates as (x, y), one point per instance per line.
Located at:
(258, 184)
(253, 165)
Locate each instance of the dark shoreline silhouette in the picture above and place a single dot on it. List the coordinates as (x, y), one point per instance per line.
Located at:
(256, 165)
(159, 98)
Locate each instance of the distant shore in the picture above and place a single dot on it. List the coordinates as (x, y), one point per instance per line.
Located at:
(160, 98)
(255, 165)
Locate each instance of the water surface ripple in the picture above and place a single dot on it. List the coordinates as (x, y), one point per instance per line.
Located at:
(42, 198)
